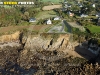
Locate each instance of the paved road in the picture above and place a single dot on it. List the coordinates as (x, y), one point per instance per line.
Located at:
(57, 28)
(68, 26)
(62, 29)
(64, 23)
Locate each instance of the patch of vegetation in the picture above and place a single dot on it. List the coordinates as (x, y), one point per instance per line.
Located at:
(75, 30)
(55, 36)
(93, 28)
(48, 14)
(65, 29)
(46, 30)
(55, 22)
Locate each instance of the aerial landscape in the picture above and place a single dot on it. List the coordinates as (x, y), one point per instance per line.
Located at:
(49, 37)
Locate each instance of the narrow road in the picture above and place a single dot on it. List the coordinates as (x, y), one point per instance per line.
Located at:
(59, 28)
(62, 29)
(68, 26)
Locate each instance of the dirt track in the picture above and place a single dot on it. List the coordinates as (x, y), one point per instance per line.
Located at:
(50, 7)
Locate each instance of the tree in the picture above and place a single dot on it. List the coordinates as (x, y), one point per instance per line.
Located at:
(26, 16)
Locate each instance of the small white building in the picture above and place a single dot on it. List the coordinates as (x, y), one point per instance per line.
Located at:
(93, 5)
(83, 15)
(57, 18)
(49, 21)
(70, 13)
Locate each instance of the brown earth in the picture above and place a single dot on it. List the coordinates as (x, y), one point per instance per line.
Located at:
(40, 27)
(50, 7)
(5, 30)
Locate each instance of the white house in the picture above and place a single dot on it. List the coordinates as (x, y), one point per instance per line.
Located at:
(83, 15)
(32, 20)
(80, 5)
(98, 14)
(93, 5)
(70, 14)
(57, 18)
(48, 21)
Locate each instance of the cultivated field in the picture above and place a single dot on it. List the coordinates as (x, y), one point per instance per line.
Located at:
(50, 7)
(53, 1)
(46, 14)
(39, 28)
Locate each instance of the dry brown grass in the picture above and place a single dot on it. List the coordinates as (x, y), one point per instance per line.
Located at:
(10, 29)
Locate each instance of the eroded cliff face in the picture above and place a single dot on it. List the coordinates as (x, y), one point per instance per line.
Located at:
(49, 47)
(35, 52)
(9, 48)
(49, 43)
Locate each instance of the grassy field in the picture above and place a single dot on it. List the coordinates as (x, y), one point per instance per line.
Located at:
(54, 1)
(94, 29)
(46, 14)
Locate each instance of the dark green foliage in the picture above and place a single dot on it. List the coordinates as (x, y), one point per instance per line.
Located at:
(55, 22)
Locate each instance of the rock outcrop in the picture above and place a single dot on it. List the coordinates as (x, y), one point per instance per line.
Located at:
(62, 42)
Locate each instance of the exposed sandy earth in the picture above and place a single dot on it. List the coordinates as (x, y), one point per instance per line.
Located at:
(50, 7)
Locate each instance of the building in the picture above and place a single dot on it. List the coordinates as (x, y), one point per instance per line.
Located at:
(98, 22)
(57, 18)
(32, 20)
(83, 15)
(93, 5)
(98, 14)
(70, 13)
(49, 21)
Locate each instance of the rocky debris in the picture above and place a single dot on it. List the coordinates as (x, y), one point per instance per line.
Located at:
(9, 53)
